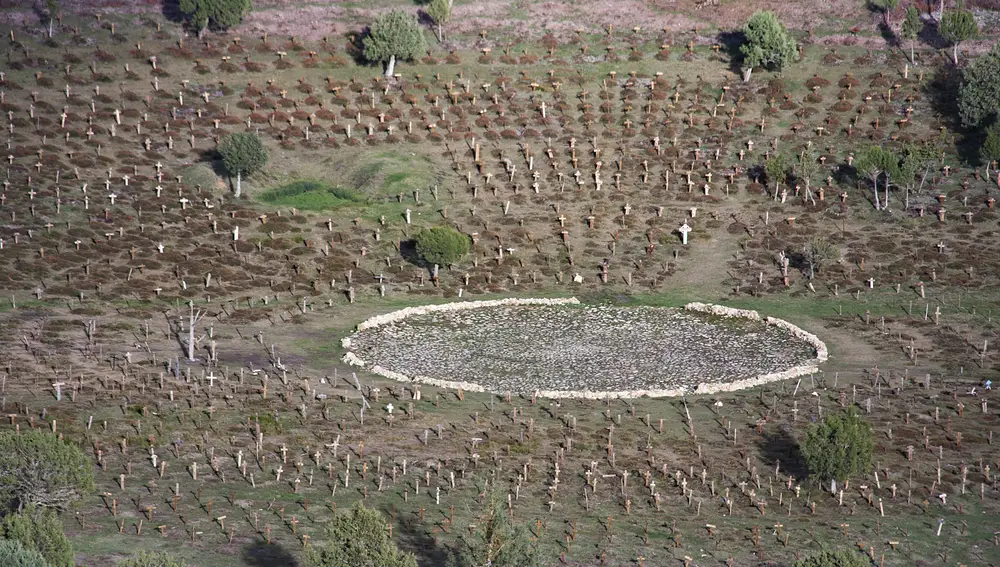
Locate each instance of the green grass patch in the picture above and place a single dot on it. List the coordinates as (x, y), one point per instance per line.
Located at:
(312, 196)
(389, 173)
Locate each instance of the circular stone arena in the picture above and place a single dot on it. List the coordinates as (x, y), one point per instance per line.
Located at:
(559, 348)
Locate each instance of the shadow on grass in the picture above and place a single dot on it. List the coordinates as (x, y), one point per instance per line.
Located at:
(943, 93)
(413, 537)
(781, 447)
(731, 42)
(261, 554)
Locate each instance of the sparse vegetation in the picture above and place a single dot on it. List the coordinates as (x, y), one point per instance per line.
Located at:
(571, 162)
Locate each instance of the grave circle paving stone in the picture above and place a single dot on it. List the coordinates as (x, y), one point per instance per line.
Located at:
(560, 348)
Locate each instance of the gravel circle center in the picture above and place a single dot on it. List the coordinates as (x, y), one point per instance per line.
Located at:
(575, 348)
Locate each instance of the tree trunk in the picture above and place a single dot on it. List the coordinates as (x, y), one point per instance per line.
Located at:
(390, 67)
(440, 33)
(746, 76)
(877, 206)
(190, 344)
(954, 54)
(51, 17)
(906, 204)
(192, 321)
(239, 188)
(912, 60)
(202, 31)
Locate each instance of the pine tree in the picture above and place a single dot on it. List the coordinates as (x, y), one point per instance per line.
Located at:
(357, 538)
(51, 11)
(13, 553)
(776, 169)
(221, 14)
(497, 541)
(50, 471)
(912, 26)
(242, 153)
(39, 529)
(957, 26)
(441, 245)
(394, 35)
(979, 96)
(839, 447)
(989, 152)
(440, 12)
(767, 43)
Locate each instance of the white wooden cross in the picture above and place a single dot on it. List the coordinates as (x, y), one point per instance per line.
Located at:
(684, 230)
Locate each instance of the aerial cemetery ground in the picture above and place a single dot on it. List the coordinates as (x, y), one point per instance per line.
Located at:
(191, 342)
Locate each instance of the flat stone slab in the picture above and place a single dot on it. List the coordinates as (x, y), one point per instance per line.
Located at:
(570, 350)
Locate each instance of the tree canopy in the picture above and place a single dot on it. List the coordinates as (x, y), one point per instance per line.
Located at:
(39, 529)
(979, 95)
(441, 245)
(220, 14)
(839, 447)
(838, 558)
(150, 559)
(767, 43)
(393, 35)
(957, 26)
(43, 469)
(14, 554)
(357, 538)
(242, 153)
(877, 161)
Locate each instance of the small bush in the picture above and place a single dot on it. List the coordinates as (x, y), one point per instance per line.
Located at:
(151, 559)
(441, 245)
(839, 558)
